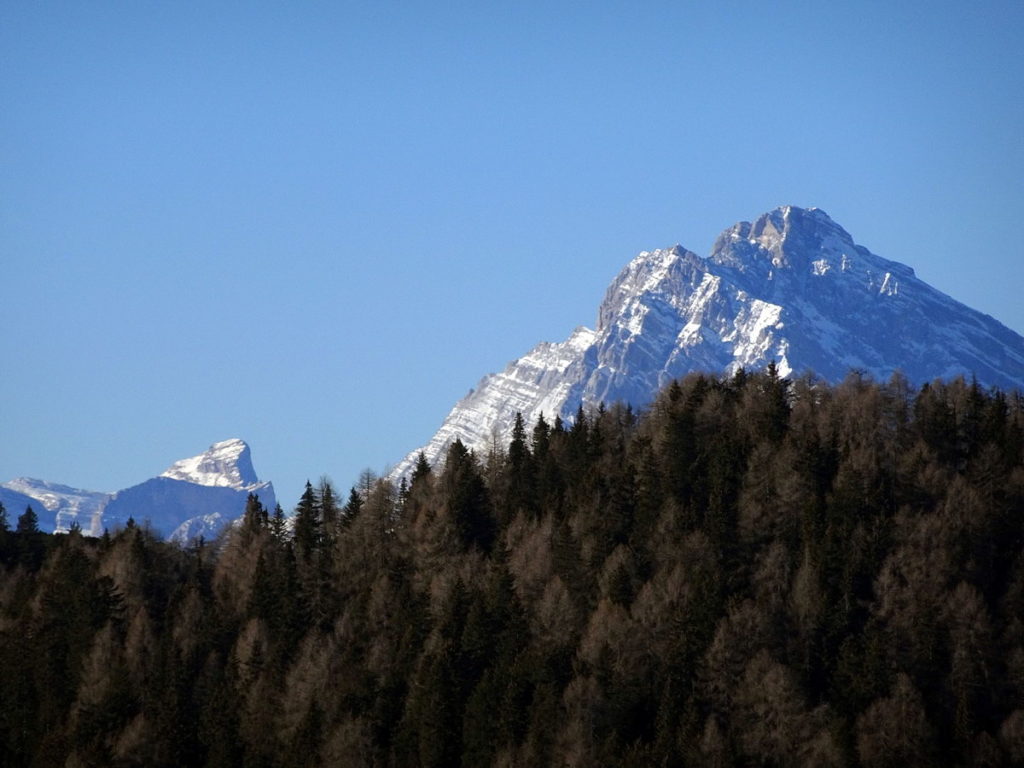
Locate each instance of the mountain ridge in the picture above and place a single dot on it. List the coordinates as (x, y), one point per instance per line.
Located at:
(791, 286)
(195, 496)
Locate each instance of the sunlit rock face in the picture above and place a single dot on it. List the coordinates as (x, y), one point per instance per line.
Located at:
(790, 287)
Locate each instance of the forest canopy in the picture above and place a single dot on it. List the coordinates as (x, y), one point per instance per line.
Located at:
(752, 571)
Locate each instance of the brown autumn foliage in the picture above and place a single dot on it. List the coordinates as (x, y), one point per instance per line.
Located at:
(753, 571)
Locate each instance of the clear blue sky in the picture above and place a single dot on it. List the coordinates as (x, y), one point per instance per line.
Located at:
(316, 225)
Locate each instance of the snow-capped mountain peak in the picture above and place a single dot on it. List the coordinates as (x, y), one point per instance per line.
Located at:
(791, 286)
(227, 464)
(195, 496)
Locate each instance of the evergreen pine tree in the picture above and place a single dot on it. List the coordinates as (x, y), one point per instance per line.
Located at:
(518, 472)
(278, 529)
(28, 522)
(541, 438)
(309, 557)
(580, 426)
(518, 454)
(353, 507)
(330, 519)
(422, 470)
(30, 543)
(307, 524)
(466, 498)
(329, 512)
(254, 519)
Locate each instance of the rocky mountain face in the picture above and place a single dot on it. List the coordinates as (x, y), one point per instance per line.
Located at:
(58, 506)
(792, 287)
(193, 497)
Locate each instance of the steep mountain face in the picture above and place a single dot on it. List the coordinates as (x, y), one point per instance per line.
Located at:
(792, 287)
(193, 497)
(227, 464)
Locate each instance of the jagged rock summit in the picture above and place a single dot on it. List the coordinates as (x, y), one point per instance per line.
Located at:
(227, 464)
(792, 287)
(193, 497)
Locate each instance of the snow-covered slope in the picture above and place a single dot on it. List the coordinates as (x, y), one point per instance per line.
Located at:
(193, 497)
(792, 287)
(57, 506)
(227, 464)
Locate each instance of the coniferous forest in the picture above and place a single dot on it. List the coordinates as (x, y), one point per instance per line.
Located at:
(752, 571)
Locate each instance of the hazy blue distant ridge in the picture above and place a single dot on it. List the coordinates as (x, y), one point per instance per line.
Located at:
(196, 496)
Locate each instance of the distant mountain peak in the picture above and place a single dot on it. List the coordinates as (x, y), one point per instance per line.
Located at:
(227, 464)
(791, 286)
(195, 496)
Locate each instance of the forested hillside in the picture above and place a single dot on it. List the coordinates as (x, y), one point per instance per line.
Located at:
(752, 572)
